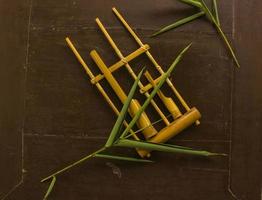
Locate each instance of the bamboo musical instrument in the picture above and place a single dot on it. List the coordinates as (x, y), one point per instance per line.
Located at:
(180, 120)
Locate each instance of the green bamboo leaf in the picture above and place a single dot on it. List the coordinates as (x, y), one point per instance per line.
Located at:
(154, 92)
(163, 148)
(175, 146)
(123, 112)
(169, 145)
(191, 2)
(212, 18)
(122, 158)
(179, 23)
(50, 188)
(215, 11)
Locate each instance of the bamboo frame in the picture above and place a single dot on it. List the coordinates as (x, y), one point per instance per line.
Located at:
(102, 91)
(180, 121)
(128, 67)
(149, 55)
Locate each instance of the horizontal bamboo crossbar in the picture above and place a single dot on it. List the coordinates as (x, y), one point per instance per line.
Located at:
(174, 128)
(122, 62)
(149, 86)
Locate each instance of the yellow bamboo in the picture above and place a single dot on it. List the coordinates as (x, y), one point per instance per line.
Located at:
(129, 68)
(149, 55)
(167, 101)
(122, 62)
(143, 122)
(149, 85)
(99, 87)
(174, 128)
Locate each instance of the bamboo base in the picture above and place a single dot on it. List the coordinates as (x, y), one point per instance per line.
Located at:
(174, 128)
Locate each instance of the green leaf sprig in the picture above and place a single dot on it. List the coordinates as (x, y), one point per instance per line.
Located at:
(122, 140)
(204, 11)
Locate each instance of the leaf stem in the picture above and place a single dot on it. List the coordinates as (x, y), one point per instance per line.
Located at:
(73, 164)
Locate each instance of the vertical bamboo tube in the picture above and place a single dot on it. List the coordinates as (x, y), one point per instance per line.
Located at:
(143, 122)
(167, 101)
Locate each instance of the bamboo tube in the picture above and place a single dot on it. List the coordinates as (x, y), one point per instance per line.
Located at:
(143, 122)
(129, 68)
(102, 91)
(158, 67)
(174, 128)
(149, 85)
(167, 101)
(99, 87)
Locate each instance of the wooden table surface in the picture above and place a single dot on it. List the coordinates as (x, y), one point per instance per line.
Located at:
(50, 114)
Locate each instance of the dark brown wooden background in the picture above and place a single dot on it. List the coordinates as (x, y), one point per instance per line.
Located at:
(51, 115)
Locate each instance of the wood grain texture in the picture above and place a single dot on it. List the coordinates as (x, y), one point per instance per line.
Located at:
(66, 118)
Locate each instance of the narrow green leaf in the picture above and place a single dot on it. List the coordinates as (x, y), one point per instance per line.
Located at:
(154, 92)
(50, 188)
(122, 158)
(191, 2)
(175, 146)
(123, 112)
(215, 11)
(179, 23)
(212, 18)
(163, 148)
